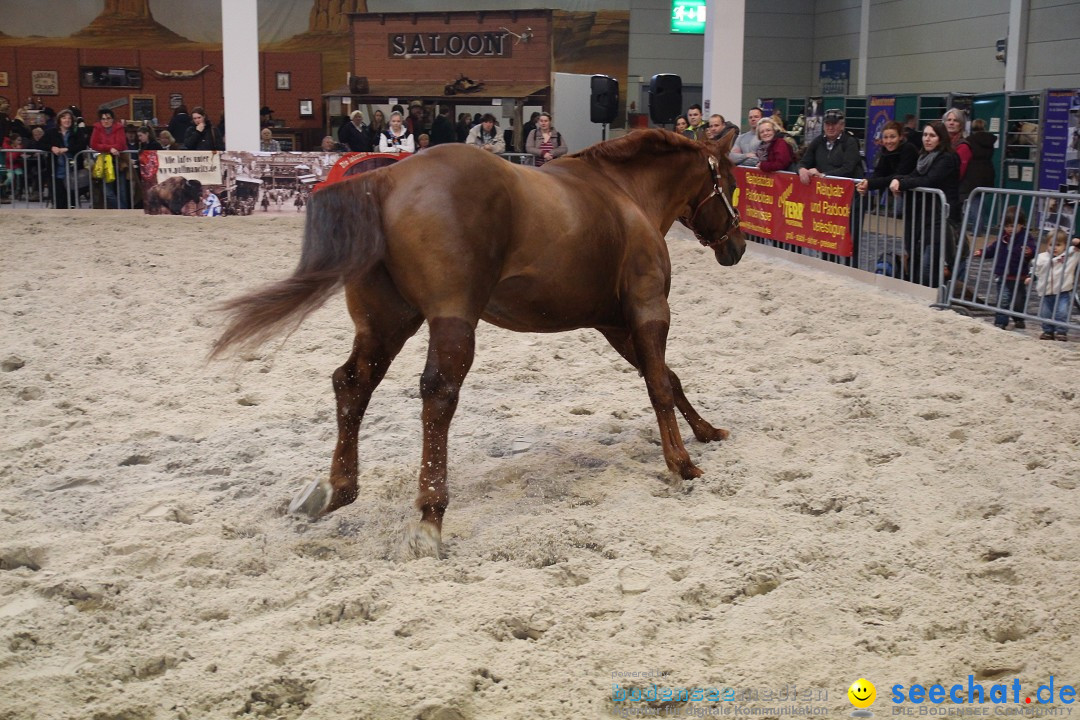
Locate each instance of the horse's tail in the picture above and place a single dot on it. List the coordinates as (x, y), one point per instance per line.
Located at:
(343, 237)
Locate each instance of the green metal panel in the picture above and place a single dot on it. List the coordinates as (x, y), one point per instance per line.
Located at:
(931, 108)
(832, 102)
(906, 105)
(855, 115)
(1023, 138)
(780, 105)
(795, 108)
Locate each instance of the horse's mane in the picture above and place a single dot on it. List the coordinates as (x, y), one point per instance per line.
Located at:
(653, 141)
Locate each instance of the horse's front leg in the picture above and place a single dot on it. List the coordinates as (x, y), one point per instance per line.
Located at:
(649, 339)
(450, 355)
(703, 430)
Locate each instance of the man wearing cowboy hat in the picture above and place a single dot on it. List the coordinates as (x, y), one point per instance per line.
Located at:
(354, 134)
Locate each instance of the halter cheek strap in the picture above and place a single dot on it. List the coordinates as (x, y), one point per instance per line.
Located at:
(717, 190)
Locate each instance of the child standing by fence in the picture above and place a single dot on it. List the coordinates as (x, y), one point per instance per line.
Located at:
(1055, 277)
(1012, 255)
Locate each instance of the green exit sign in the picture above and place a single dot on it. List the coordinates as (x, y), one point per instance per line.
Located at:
(688, 16)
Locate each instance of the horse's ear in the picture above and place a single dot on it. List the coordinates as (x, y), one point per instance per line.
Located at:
(719, 149)
(727, 139)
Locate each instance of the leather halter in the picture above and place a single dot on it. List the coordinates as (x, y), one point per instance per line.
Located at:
(717, 190)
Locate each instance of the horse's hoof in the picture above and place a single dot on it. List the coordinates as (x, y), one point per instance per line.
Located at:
(421, 539)
(313, 500)
(689, 472)
(712, 434)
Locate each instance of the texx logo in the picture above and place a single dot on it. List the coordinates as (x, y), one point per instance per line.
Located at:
(975, 693)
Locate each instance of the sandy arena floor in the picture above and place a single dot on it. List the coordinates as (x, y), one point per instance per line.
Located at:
(898, 500)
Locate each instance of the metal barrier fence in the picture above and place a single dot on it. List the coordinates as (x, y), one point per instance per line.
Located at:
(907, 237)
(41, 179)
(997, 260)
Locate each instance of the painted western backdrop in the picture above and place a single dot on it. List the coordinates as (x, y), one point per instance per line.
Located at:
(592, 38)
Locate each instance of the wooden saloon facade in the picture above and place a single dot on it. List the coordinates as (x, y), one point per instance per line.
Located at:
(400, 57)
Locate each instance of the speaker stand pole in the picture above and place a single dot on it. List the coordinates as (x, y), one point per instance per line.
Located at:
(603, 132)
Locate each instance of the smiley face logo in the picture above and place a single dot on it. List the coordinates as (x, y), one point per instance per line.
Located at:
(862, 693)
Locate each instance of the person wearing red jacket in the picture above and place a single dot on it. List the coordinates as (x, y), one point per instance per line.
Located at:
(109, 137)
(773, 153)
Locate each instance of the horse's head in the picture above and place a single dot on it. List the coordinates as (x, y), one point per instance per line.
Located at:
(713, 218)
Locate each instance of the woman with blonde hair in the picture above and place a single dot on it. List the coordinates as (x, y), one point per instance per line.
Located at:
(773, 153)
(397, 138)
(168, 142)
(955, 121)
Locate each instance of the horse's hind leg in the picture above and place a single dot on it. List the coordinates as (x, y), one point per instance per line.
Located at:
(450, 355)
(384, 322)
(703, 430)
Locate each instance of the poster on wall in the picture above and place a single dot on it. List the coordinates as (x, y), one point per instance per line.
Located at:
(881, 110)
(1057, 138)
(815, 111)
(766, 105)
(45, 82)
(833, 75)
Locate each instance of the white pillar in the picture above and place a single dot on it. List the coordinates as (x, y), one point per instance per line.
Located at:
(1016, 50)
(722, 79)
(240, 55)
(864, 46)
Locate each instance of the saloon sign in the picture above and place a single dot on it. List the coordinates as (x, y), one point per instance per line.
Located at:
(439, 45)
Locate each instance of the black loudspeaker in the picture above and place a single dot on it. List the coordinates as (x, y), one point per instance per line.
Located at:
(604, 101)
(665, 98)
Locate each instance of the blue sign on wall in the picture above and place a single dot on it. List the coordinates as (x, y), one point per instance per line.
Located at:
(882, 110)
(1056, 140)
(834, 75)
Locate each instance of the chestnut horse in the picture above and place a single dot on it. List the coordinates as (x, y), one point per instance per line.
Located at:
(456, 235)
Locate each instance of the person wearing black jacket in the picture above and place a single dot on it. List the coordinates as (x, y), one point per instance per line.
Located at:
(834, 152)
(896, 157)
(202, 135)
(980, 169)
(180, 123)
(937, 167)
(442, 129)
(355, 134)
(65, 142)
(911, 132)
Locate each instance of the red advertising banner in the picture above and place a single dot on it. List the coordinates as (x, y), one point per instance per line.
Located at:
(779, 207)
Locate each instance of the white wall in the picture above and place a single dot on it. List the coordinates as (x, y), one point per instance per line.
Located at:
(929, 46)
(1053, 52)
(570, 97)
(836, 37)
(778, 48)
